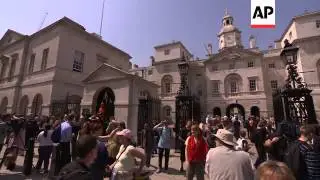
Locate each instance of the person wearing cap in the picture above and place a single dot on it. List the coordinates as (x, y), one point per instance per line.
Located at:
(124, 167)
(224, 162)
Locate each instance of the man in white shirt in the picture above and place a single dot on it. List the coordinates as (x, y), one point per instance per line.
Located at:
(225, 163)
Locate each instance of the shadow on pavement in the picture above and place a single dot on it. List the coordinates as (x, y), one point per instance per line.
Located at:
(173, 171)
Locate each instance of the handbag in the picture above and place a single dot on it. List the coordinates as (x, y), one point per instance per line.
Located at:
(109, 172)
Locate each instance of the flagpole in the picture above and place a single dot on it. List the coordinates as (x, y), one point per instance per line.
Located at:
(102, 13)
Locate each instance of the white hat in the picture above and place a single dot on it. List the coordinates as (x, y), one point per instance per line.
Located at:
(226, 137)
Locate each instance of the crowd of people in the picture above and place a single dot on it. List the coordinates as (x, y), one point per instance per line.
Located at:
(218, 147)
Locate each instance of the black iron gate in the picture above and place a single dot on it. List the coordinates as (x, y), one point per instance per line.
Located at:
(294, 105)
(187, 108)
(148, 112)
(61, 107)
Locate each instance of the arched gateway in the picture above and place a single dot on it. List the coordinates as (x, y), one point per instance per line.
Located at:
(235, 108)
(104, 98)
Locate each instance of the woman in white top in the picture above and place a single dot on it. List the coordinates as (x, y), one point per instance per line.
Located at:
(125, 165)
(45, 148)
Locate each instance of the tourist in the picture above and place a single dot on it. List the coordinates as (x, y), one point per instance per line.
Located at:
(184, 133)
(164, 143)
(298, 157)
(101, 162)
(124, 167)
(236, 127)
(80, 169)
(259, 139)
(242, 142)
(113, 144)
(148, 142)
(224, 162)
(273, 170)
(45, 148)
(196, 151)
(3, 132)
(65, 140)
(227, 124)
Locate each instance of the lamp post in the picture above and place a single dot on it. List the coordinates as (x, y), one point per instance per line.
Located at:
(289, 56)
(296, 101)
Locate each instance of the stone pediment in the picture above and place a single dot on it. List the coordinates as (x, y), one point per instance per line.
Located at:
(106, 72)
(232, 54)
(10, 37)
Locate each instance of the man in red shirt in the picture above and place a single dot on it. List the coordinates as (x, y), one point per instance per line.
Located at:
(196, 151)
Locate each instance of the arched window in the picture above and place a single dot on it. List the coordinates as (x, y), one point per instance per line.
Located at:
(166, 112)
(36, 108)
(166, 85)
(3, 106)
(232, 84)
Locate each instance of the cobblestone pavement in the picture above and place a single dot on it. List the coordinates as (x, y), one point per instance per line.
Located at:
(172, 174)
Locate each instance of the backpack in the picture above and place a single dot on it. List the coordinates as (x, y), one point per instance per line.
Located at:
(56, 134)
(293, 158)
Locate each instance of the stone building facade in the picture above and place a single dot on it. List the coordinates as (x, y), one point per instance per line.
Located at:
(64, 63)
(236, 79)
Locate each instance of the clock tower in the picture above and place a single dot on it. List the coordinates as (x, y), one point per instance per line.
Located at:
(229, 36)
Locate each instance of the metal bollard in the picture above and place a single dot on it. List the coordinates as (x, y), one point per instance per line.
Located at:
(28, 159)
(55, 165)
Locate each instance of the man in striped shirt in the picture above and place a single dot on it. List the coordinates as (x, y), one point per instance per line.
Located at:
(302, 159)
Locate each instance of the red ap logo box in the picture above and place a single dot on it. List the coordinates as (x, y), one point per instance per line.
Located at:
(263, 14)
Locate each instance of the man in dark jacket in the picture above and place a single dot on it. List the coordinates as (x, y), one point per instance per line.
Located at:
(80, 169)
(148, 142)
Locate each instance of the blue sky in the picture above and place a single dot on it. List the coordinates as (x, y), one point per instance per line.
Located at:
(136, 26)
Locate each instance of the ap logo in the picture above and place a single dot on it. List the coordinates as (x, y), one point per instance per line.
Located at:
(263, 14)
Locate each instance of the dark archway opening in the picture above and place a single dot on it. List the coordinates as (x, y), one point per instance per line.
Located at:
(234, 109)
(255, 111)
(216, 111)
(106, 98)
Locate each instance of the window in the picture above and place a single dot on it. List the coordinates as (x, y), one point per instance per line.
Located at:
(214, 68)
(274, 84)
(252, 85)
(290, 35)
(78, 61)
(250, 64)
(231, 66)
(45, 54)
(4, 67)
(167, 68)
(150, 72)
(167, 52)
(168, 87)
(13, 66)
(31, 63)
(168, 112)
(272, 65)
(318, 23)
(233, 87)
(215, 87)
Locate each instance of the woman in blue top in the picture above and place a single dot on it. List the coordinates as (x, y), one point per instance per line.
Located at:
(164, 143)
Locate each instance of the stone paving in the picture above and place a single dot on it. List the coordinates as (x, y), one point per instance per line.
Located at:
(172, 174)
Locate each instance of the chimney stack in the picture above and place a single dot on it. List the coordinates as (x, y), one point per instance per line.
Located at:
(152, 60)
(210, 48)
(252, 42)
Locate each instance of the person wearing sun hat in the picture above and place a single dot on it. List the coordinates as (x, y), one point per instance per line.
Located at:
(224, 162)
(124, 167)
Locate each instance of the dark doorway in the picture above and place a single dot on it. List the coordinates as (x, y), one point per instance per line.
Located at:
(233, 109)
(255, 111)
(216, 111)
(106, 99)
